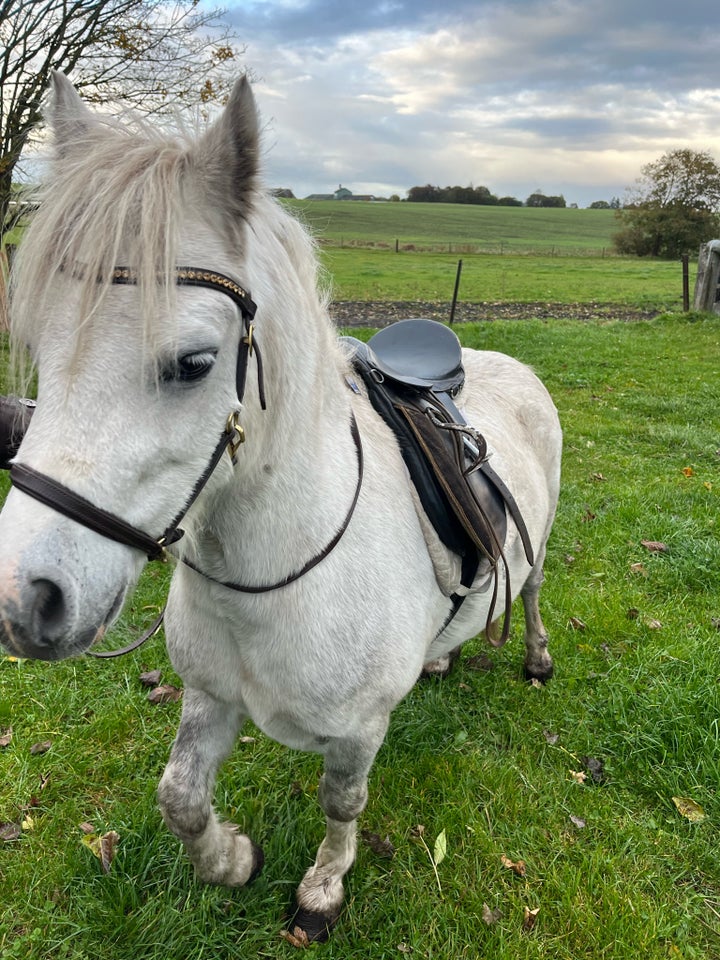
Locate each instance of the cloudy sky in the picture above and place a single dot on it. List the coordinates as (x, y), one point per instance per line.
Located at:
(568, 96)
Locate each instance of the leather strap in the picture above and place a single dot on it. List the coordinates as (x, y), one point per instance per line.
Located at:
(318, 558)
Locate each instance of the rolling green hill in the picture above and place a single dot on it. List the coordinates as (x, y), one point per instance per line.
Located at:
(458, 227)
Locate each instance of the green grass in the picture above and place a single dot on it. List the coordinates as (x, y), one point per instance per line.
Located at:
(637, 688)
(359, 274)
(457, 226)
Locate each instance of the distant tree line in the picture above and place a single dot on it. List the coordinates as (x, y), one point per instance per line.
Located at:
(477, 195)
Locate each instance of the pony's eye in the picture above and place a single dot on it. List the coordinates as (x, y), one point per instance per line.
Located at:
(190, 367)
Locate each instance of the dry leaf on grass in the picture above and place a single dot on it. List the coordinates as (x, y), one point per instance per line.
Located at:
(166, 693)
(518, 867)
(578, 822)
(552, 738)
(490, 917)
(383, 848)
(579, 776)
(530, 918)
(639, 568)
(296, 938)
(104, 847)
(577, 624)
(654, 546)
(595, 768)
(691, 810)
(151, 678)
(10, 831)
(40, 748)
(6, 737)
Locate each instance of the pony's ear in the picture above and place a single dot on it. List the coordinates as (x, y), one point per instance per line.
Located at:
(71, 120)
(225, 159)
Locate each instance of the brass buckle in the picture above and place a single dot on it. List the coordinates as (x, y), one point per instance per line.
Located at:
(238, 434)
(249, 338)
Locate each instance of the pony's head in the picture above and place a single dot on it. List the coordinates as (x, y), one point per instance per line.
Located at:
(135, 382)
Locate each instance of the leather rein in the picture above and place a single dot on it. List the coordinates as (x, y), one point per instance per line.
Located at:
(54, 494)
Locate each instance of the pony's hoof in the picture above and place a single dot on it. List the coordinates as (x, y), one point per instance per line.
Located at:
(258, 856)
(541, 674)
(315, 926)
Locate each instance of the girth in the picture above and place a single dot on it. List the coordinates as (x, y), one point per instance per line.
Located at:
(412, 371)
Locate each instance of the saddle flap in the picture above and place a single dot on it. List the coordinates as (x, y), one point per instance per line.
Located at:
(420, 353)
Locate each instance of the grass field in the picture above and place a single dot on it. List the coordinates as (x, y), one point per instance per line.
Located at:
(458, 226)
(616, 870)
(361, 274)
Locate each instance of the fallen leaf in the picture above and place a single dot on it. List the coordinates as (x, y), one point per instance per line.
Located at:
(404, 948)
(297, 938)
(10, 831)
(247, 740)
(688, 471)
(530, 918)
(166, 693)
(639, 568)
(654, 624)
(579, 776)
(708, 486)
(28, 823)
(598, 476)
(518, 867)
(418, 831)
(654, 546)
(151, 678)
(578, 822)
(6, 737)
(538, 684)
(103, 847)
(440, 848)
(42, 747)
(490, 917)
(689, 809)
(588, 516)
(595, 768)
(87, 828)
(552, 738)
(577, 624)
(480, 662)
(383, 848)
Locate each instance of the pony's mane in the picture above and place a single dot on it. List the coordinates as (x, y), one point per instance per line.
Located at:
(113, 196)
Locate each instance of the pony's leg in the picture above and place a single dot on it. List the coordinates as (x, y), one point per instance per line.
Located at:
(206, 735)
(342, 795)
(538, 662)
(442, 666)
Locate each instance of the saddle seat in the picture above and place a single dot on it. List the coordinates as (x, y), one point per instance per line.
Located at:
(419, 353)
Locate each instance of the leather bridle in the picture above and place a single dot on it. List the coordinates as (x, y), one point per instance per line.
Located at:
(56, 495)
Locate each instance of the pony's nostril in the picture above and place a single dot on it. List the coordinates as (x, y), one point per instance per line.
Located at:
(49, 608)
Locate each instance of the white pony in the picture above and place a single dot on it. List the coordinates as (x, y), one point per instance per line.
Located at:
(136, 381)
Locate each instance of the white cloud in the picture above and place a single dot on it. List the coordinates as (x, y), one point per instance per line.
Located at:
(573, 96)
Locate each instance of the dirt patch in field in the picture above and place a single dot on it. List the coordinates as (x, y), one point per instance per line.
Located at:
(380, 313)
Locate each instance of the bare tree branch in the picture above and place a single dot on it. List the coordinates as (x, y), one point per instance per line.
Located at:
(157, 55)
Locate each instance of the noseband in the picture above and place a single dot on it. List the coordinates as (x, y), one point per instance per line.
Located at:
(65, 501)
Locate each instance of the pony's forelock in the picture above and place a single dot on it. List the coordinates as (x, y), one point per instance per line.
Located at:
(115, 198)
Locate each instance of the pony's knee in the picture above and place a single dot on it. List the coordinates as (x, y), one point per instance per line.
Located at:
(342, 800)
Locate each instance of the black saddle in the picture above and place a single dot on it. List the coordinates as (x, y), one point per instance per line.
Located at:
(412, 371)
